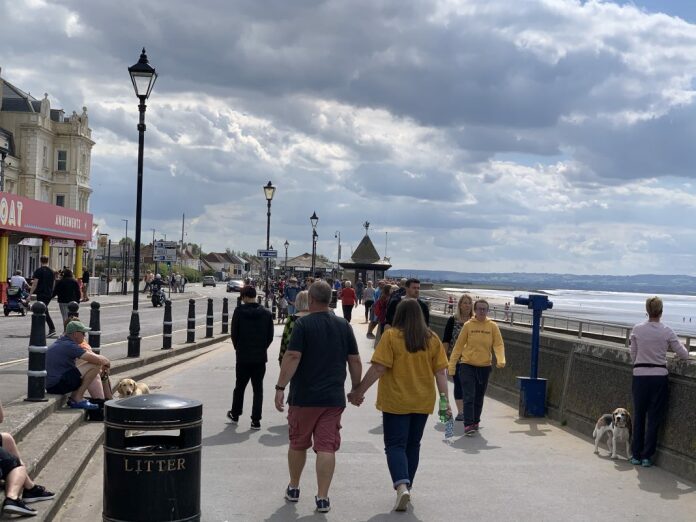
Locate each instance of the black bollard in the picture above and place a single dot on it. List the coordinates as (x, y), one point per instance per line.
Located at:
(73, 310)
(209, 319)
(225, 316)
(36, 381)
(191, 322)
(95, 327)
(167, 328)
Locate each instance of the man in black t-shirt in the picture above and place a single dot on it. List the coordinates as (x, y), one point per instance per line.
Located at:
(315, 366)
(42, 285)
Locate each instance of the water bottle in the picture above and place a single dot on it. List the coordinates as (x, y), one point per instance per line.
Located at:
(442, 410)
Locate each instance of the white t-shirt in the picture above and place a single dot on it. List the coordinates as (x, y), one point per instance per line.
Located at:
(18, 281)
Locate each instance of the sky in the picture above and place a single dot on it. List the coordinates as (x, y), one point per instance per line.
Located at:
(473, 135)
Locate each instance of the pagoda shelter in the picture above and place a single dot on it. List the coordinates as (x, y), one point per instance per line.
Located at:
(365, 262)
(301, 266)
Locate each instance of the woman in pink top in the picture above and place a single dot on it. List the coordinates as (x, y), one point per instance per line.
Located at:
(649, 344)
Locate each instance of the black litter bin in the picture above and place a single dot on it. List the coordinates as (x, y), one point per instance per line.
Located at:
(152, 459)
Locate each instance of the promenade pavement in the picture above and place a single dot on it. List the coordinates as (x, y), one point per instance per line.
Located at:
(514, 469)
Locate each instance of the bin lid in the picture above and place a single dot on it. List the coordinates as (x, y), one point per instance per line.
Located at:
(153, 408)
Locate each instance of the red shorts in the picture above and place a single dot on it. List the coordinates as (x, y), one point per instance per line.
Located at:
(323, 424)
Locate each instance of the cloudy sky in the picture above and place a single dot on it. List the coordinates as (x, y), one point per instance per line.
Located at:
(476, 135)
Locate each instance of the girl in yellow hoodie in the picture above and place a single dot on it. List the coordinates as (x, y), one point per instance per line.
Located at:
(478, 340)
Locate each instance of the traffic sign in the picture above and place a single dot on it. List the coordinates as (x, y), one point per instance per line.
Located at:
(165, 251)
(267, 253)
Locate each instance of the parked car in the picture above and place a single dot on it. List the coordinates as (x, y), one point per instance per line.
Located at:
(234, 285)
(209, 281)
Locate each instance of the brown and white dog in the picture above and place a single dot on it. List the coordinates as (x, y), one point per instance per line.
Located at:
(128, 388)
(618, 425)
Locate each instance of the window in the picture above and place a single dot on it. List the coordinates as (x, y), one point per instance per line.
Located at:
(63, 160)
(45, 157)
(60, 200)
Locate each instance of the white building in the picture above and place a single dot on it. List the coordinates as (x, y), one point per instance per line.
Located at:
(49, 161)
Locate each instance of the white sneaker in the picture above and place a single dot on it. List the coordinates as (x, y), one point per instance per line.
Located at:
(403, 497)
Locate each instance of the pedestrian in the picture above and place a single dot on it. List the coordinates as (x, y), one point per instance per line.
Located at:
(380, 308)
(408, 362)
(369, 299)
(454, 325)
(85, 285)
(373, 318)
(184, 280)
(66, 291)
(149, 276)
(478, 340)
(315, 366)
(291, 292)
(410, 288)
(348, 301)
(42, 284)
(650, 341)
(301, 309)
(252, 334)
(282, 308)
(359, 287)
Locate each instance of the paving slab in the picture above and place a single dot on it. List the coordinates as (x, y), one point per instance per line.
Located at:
(514, 469)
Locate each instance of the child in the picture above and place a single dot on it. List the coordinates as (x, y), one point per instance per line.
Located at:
(282, 309)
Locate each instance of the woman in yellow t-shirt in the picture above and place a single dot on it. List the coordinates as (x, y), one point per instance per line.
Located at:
(406, 359)
(472, 357)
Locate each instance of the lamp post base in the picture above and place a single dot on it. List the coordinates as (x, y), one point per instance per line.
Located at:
(134, 337)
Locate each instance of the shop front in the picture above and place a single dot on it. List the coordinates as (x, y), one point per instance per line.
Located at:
(31, 228)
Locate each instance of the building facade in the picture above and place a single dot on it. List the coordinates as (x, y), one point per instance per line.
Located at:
(46, 183)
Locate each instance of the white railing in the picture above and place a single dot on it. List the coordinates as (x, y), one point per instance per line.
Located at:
(563, 324)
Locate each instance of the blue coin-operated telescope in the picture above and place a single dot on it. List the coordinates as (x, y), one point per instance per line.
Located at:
(533, 389)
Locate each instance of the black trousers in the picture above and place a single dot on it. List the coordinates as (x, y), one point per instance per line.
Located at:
(649, 401)
(474, 380)
(246, 372)
(347, 312)
(49, 321)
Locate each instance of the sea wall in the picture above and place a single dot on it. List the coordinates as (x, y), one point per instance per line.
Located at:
(587, 378)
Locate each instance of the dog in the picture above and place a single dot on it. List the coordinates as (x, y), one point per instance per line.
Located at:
(128, 388)
(618, 425)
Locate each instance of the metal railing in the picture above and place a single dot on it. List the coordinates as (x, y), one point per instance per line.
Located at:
(577, 327)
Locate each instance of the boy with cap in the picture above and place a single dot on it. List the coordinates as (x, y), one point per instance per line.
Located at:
(63, 375)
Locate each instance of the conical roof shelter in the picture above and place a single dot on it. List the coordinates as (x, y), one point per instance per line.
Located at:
(366, 261)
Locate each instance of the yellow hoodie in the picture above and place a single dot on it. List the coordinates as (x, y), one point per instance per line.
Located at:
(475, 345)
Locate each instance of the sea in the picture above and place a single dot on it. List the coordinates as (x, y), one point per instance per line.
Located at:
(620, 308)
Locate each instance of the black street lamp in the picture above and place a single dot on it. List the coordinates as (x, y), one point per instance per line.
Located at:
(286, 245)
(268, 191)
(143, 76)
(337, 235)
(313, 219)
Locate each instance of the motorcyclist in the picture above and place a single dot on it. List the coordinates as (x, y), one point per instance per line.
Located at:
(156, 289)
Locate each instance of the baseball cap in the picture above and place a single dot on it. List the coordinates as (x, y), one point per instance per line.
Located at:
(75, 326)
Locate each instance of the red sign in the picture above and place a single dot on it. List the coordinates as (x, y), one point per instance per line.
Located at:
(36, 218)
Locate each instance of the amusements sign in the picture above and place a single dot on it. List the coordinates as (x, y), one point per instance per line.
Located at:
(36, 218)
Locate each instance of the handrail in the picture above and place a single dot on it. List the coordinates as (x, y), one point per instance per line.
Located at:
(565, 324)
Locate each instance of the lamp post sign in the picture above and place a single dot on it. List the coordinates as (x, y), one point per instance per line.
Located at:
(165, 251)
(267, 253)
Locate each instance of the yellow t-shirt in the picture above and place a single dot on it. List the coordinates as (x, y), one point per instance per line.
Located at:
(476, 344)
(408, 385)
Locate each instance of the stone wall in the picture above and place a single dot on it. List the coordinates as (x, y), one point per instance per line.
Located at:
(587, 378)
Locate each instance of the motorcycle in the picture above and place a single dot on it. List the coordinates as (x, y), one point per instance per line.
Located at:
(158, 297)
(15, 302)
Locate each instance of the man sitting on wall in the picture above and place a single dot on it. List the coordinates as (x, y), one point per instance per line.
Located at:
(63, 375)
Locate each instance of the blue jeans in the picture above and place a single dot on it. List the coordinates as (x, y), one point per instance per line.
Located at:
(402, 436)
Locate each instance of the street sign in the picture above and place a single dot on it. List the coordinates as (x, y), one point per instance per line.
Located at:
(165, 251)
(267, 253)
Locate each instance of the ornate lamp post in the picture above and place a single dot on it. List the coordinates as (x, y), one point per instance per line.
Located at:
(337, 235)
(286, 245)
(143, 76)
(314, 220)
(268, 191)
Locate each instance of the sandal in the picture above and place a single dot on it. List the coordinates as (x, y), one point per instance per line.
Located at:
(84, 404)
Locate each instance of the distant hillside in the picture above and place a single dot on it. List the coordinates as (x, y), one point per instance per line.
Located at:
(643, 283)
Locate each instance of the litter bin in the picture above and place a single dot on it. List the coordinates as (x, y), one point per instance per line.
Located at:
(152, 459)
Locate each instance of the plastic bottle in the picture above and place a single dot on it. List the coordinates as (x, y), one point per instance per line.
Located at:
(442, 410)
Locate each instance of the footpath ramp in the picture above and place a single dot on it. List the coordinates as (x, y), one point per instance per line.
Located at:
(512, 470)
